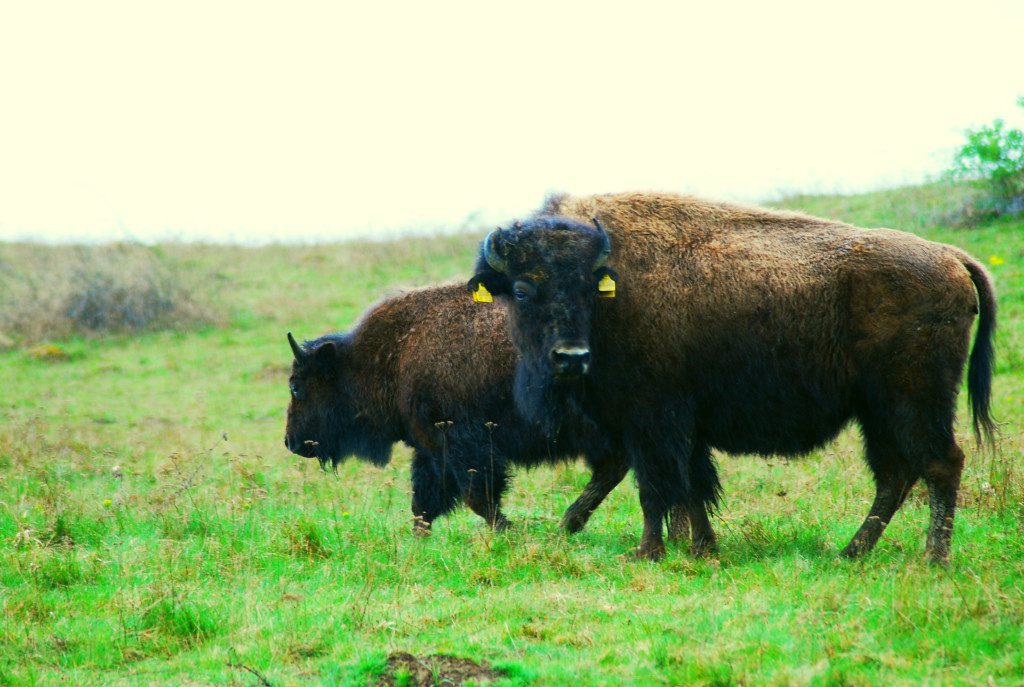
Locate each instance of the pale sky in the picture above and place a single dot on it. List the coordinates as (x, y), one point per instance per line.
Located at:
(299, 120)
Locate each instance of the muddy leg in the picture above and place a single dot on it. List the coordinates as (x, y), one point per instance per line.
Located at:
(943, 480)
(704, 489)
(652, 545)
(678, 523)
(890, 492)
(703, 542)
(606, 476)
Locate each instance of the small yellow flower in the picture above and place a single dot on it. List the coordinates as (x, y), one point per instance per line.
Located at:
(995, 260)
(107, 503)
(345, 514)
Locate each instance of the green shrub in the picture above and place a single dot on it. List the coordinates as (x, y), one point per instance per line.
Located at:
(994, 154)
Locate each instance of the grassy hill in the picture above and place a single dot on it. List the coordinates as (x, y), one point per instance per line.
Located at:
(154, 530)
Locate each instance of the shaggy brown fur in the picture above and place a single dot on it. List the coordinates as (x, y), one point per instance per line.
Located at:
(751, 330)
(430, 369)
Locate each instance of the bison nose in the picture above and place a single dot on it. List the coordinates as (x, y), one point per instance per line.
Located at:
(571, 362)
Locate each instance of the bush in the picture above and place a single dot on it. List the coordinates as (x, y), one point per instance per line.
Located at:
(994, 154)
(51, 292)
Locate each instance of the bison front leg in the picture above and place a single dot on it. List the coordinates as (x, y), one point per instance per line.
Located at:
(659, 444)
(704, 492)
(489, 511)
(483, 488)
(652, 544)
(433, 493)
(606, 476)
(678, 524)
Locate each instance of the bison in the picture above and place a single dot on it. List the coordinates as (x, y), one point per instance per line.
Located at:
(429, 369)
(749, 331)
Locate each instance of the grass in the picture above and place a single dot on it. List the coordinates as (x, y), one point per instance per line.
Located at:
(154, 530)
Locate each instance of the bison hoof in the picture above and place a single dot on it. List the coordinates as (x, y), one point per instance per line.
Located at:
(651, 552)
(704, 549)
(573, 523)
(938, 557)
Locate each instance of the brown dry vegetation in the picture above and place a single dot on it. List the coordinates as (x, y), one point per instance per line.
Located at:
(53, 292)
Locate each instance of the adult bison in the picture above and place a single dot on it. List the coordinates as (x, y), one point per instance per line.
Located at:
(750, 331)
(429, 369)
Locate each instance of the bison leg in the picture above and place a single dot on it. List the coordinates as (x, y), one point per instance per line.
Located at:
(659, 443)
(483, 488)
(433, 494)
(692, 521)
(890, 492)
(490, 512)
(943, 480)
(906, 439)
(704, 491)
(606, 476)
(652, 545)
(893, 472)
(703, 540)
(678, 523)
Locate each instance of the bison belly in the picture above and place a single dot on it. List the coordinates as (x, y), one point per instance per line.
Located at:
(763, 399)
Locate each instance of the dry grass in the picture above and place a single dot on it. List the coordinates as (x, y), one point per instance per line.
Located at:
(53, 292)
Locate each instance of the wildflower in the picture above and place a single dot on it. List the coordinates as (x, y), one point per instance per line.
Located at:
(995, 260)
(345, 514)
(107, 503)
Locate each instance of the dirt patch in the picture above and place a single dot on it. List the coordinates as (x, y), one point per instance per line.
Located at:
(405, 670)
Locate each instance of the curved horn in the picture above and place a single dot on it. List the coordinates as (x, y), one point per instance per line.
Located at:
(491, 254)
(296, 349)
(606, 245)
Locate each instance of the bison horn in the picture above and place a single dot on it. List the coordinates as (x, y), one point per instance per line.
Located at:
(296, 349)
(606, 245)
(491, 254)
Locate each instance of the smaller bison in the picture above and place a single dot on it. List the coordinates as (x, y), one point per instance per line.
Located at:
(429, 369)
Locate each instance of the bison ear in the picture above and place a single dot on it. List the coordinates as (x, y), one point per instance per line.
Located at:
(607, 280)
(326, 354)
(487, 284)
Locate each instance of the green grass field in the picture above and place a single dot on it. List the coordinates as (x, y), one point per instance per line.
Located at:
(154, 530)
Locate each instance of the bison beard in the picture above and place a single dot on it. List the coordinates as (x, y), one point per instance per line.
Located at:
(549, 404)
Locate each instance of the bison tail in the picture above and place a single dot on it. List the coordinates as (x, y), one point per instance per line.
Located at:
(979, 369)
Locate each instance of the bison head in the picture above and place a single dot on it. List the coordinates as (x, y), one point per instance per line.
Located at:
(325, 419)
(550, 271)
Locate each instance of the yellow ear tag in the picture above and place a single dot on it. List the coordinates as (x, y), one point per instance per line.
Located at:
(606, 287)
(482, 295)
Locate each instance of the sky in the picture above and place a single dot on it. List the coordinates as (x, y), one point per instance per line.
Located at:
(260, 122)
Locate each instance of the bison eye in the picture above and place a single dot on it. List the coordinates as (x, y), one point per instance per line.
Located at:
(294, 391)
(522, 290)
